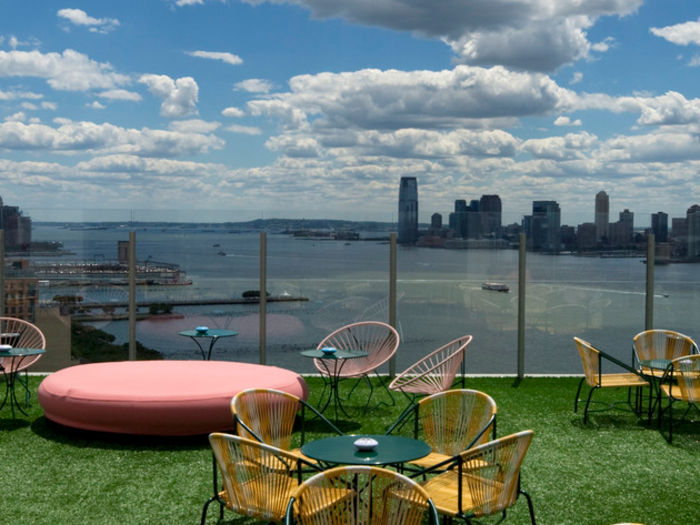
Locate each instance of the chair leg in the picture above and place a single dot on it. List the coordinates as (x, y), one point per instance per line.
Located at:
(578, 393)
(588, 402)
(530, 507)
(204, 510)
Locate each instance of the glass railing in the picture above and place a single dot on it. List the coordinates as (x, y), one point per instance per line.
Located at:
(195, 268)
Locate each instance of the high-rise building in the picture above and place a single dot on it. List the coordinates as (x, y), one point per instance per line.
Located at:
(693, 220)
(408, 210)
(17, 229)
(436, 221)
(543, 227)
(602, 215)
(659, 226)
(490, 210)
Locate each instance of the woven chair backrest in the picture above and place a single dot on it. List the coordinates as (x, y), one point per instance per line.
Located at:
(687, 374)
(663, 344)
(269, 413)
(29, 337)
(452, 420)
(258, 479)
(590, 359)
(360, 495)
(435, 372)
(379, 340)
(491, 472)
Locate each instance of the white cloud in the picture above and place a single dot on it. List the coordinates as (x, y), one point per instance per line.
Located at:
(179, 96)
(254, 85)
(120, 94)
(20, 116)
(228, 58)
(194, 126)
(538, 35)
(246, 130)
(70, 71)
(79, 17)
(96, 105)
(233, 112)
(566, 121)
(74, 137)
(680, 34)
(576, 78)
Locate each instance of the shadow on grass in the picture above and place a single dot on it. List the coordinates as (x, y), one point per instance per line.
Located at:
(78, 438)
(13, 424)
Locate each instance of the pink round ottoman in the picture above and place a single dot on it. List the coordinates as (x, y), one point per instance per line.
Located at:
(163, 398)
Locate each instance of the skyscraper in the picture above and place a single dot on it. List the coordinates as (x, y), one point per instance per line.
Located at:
(408, 210)
(602, 215)
(659, 226)
(543, 227)
(490, 209)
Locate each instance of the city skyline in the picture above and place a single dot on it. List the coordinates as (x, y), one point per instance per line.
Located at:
(298, 106)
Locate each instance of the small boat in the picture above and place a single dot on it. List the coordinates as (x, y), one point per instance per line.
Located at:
(215, 245)
(495, 287)
(222, 253)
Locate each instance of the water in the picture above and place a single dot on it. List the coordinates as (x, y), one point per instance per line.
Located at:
(601, 300)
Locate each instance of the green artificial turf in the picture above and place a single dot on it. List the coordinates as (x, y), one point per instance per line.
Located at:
(615, 469)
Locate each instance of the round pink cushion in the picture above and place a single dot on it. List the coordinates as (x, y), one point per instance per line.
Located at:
(164, 398)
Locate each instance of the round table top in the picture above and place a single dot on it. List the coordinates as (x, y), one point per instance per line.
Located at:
(21, 352)
(317, 353)
(390, 450)
(209, 333)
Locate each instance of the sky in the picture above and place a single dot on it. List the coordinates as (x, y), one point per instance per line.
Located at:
(235, 109)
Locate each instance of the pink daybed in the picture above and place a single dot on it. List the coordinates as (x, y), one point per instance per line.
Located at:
(165, 398)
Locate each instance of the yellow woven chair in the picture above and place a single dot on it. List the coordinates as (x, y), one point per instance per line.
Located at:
(379, 340)
(451, 422)
(661, 345)
(681, 382)
(258, 479)
(269, 416)
(485, 480)
(592, 360)
(360, 495)
(433, 373)
(20, 334)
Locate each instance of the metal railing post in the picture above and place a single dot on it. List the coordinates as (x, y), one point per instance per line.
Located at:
(521, 306)
(263, 298)
(392, 296)
(651, 261)
(132, 296)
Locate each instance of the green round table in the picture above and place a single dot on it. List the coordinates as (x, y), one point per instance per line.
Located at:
(390, 450)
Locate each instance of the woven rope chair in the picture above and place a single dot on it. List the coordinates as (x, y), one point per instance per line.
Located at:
(661, 344)
(360, 495)
(484, 481)
(592, 360)
(433, 373)
(29, 337)
(258, 479)
(681, 382)
(268, 416)
(452, 422)
(379, 340)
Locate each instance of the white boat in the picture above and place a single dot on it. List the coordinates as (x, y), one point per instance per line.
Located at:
(495, 287)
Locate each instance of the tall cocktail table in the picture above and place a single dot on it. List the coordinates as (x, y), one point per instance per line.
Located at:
(333, 363)
(390, 450)
(212, 335)
(9, 371)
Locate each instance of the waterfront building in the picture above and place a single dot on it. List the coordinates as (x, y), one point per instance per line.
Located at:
(17, 229)
(679, 232)
(693, 221)
(659, 226)
(436, 221)
(408, 210)
(490, 209)
(587, 236)
(543, 227)
(622, 231)
(602, 216)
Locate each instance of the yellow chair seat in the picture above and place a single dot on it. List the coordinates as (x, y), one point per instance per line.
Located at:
(622, 380)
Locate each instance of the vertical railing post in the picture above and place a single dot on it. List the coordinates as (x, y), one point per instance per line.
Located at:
(651, 261)
(521, 306)
(263, 298)
(2, 273)
(392, 296)
(132, 296)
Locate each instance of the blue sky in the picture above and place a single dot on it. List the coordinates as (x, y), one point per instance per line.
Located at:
(316, 108)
